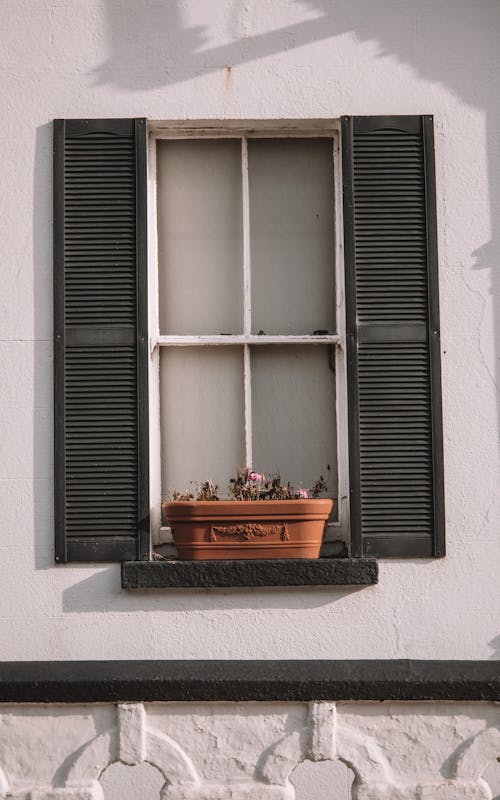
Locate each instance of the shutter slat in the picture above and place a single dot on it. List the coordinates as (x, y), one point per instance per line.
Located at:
(85, 303)
(393, 349)
(100, 333)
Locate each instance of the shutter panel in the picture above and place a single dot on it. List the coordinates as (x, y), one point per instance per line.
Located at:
(100, 341)
(395, 451)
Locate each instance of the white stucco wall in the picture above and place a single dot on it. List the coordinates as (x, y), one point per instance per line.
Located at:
(316, 58)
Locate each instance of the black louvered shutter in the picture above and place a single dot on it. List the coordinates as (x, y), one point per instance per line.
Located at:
(100, 340)
(395, 453)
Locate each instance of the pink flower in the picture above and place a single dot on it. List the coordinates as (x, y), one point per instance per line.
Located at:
(255, 476)
(303, 494)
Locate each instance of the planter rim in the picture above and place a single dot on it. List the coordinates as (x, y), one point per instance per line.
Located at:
(239, 508)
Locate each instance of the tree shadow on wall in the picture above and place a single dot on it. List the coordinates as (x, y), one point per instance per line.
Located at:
(151, 47)
(495, 646)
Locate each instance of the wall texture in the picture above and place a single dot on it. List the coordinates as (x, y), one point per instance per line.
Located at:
(264, 59)
(249, 751)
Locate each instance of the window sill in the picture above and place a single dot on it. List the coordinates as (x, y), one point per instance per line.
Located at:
(233, 574)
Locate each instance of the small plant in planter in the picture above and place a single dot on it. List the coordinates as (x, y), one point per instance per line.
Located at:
(264, 517)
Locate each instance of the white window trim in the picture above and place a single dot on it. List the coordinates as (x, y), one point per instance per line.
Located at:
(187, 129)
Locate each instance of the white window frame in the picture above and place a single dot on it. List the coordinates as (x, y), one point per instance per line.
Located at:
(244, 130)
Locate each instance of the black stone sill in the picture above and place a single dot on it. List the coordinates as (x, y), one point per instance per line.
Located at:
(234, 574)
(286, 681)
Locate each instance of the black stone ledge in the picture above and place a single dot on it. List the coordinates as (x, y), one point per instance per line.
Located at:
(292, 681)
(234, 574)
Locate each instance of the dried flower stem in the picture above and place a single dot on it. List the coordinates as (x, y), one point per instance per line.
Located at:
(251, 485)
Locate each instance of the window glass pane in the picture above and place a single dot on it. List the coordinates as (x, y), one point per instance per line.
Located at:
(200, 236)
(202, 415)
(293, 413)
(292, 235)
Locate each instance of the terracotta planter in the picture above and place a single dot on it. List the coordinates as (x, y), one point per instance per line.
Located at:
(243, 529)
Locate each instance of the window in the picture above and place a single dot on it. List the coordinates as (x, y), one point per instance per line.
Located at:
(249, 197)
(249, 311)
